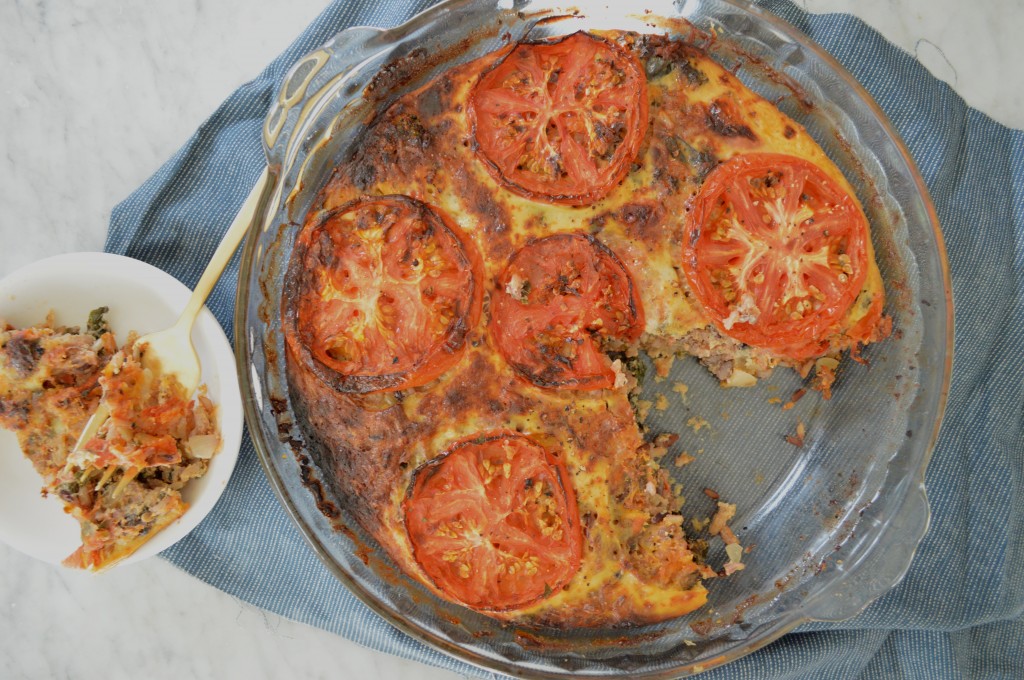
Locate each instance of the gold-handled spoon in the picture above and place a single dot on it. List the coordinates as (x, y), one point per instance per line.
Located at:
(171, 350)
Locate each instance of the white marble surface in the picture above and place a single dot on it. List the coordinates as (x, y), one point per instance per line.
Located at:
(96, 94)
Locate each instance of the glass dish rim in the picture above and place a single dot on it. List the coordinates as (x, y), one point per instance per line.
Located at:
(788, 621)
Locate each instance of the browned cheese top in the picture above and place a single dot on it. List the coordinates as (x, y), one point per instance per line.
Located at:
(636, 565)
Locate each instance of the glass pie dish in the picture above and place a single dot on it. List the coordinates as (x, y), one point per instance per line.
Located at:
(833, 523)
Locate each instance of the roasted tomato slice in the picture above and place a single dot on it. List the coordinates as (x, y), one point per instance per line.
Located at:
(381, 294)
(493, 522)
(776, 251)
(558, 300)
(561, 121)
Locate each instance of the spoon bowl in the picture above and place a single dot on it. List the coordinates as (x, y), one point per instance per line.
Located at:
(171, 351)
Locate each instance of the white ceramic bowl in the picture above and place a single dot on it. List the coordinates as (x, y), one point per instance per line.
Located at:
(141, 298)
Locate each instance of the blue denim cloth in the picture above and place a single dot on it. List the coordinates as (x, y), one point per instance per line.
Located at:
(960, 610)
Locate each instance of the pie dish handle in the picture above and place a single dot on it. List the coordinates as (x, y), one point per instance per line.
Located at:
(308, 83)
(882, 566)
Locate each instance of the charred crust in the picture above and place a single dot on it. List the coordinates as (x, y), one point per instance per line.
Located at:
(23, 352)
(722, 119)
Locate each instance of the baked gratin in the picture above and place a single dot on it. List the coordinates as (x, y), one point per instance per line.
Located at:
(124, 484)
(467, 299)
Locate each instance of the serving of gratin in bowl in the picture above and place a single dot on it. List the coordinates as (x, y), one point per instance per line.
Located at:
(596, 341)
